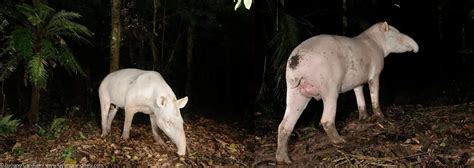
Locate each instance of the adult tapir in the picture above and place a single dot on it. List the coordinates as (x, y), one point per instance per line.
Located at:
(326, 65)
(135, 91)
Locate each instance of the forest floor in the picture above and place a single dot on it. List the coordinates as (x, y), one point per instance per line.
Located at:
(407, 136)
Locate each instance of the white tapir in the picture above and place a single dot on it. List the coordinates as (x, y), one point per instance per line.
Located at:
(137, 90)
(326, 65)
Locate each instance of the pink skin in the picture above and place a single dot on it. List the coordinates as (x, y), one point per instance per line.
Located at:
(324, 66)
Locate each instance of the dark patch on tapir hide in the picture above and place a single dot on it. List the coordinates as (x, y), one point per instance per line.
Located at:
(294, 61)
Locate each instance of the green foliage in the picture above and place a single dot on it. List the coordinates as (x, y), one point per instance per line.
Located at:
(113, 159)
(17, 152)
(7, 64)
(69, 154)
(40, 40)
(22, 42)
(35, 16)
(68, 60)
(80, 135)
(285, 39)
(37, 70)
(61, 24)
(8, 125)
(247, 4)
(287, 36)
(55, 129)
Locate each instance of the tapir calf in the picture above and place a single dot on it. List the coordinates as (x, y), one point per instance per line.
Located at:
(142, 91)
(326, 65)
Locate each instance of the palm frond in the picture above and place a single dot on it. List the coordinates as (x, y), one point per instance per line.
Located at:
(44, 11)
(61, 24)
(48, 50)
(8, 11)
(30, 13)
(22, 42)
(285, 39)
(62, 15)
(283, 42)
(68, 61)
(37, 71)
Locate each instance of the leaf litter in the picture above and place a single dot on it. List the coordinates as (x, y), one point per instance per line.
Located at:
(410, 135)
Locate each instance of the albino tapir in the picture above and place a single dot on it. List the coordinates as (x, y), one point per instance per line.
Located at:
(326, 65)
(135, 91)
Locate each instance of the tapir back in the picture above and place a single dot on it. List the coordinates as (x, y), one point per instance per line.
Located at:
(146, 88)
(114, 87)
(330, 59)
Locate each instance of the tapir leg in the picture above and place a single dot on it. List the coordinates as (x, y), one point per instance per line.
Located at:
(104, 113)
(295, 104)
(329, 117)
(129, 112)
(154, 129)
(374, 96)
(359, 93)
(112, 113)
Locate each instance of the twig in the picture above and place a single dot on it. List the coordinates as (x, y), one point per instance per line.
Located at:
(409, 156)
(262, 159)
(347, 158)
(374, 159)
(380, 164)
(343, 162)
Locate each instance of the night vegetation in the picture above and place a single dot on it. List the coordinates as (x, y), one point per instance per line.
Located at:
(229, 58)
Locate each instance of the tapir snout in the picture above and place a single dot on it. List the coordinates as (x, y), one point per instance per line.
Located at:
(412, 44)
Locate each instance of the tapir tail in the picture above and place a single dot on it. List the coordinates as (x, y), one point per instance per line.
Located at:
(295, 82)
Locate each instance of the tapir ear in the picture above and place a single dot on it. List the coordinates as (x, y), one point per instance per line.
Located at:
(384, 27)
(161, 101)
(182, 102)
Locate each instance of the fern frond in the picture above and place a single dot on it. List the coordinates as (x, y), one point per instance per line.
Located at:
(8, 125)
(61, 24)
(282, 43)
(30, 13)
(37, 71)
(67, 59)
(60, 16)
(48, 50)
(44, 12)
(22, 42)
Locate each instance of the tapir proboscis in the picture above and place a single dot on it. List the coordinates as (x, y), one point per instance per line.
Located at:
(324, 66)
(137, 90)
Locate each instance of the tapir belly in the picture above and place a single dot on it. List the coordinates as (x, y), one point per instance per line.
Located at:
(322, 75)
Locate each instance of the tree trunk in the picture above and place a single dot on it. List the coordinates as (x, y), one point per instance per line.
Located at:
(36, 2)
(154, 53)
(189, 59)
(115, 37)
(33, 114)
(154, 49)
(344, 17)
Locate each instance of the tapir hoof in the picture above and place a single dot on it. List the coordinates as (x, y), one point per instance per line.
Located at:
(376, 117)
(103, 134)
(338, 140)
(283, 159)
(124, 137)
(363, 117)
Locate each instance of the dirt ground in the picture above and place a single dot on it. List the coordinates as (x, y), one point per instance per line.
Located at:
(407, 136)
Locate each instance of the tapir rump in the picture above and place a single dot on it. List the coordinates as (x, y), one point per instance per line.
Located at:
(135, 91)
(326, 65)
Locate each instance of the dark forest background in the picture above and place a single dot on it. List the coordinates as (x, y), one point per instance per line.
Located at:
(231, 63)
